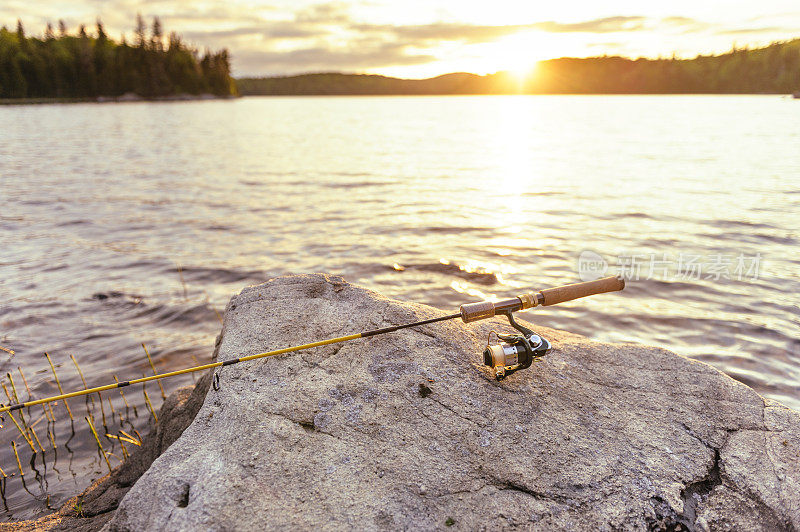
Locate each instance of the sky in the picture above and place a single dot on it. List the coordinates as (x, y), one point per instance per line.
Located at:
(423, 38)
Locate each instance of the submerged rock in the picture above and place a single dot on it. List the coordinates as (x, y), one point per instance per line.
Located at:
(409, 430)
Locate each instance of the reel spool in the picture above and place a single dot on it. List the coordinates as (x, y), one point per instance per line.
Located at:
(513, 351)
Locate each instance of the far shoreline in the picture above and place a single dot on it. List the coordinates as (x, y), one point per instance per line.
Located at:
(211, 97)
(125, 98)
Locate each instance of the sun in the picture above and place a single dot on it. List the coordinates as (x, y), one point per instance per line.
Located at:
(519, 55)
(522, 72)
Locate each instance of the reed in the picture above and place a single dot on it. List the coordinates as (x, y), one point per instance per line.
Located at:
(23, 433)
(125, 454)
(60, 389)
(97, 439)
(30, 395)
(3, 473)
(8, 395)
(149, 404)
(89, 398)
(7, 350)
(122, 394)
(113, 412)
(196, 363)
(35, 437)
(183, 281)
(125, 400)
(131, 439)
(25, 382)
(16, 396)
(85, 387)
(51, 437)
(122, 440)
(16, 455)
(153, 367)
(47, 415)
(38, 420)
(16, 399)
(13, 386)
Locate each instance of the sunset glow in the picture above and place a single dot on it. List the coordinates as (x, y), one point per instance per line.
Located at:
(420, 39)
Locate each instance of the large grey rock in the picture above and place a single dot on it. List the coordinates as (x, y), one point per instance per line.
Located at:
(409, 430)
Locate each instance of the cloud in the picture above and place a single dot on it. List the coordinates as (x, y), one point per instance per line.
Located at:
(336, 35)
(288, 31)
(217, 35)
(600, 25)
(437, 32)
(323, 59)
(330, 13)
(263, 31)
(743, 31)
(370, 46)
(472, 33)
(325, 37)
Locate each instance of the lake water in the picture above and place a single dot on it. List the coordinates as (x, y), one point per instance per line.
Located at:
(439, 200)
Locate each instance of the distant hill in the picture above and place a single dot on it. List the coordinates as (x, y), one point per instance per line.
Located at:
(773, 69)
(342, 84)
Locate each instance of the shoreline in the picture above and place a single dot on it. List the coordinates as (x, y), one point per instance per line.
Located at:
(125, 98)
(211, 97)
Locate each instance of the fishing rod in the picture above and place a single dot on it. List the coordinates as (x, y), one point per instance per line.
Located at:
(516, 352)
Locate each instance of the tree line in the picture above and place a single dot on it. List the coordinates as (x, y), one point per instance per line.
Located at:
(774, 69)
(89, 65)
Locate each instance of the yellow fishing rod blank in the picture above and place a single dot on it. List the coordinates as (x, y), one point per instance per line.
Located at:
(468, 313)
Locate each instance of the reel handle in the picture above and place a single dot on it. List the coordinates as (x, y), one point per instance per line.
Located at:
(549, 296)
(560, 294)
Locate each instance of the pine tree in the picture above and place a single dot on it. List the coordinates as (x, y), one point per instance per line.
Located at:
(103, 61)
(101, 34)
(86, 69)
(140, 31)
(158, 36)
(90, 66)
(174, 41)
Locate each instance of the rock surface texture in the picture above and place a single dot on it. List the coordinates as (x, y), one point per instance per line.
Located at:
(409, 431)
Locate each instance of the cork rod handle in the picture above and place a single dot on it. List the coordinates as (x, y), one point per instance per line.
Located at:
(553, 296)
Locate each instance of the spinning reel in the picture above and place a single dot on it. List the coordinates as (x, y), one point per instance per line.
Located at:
(518, 351)
(513, 351)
